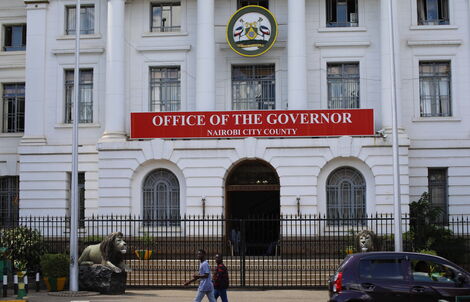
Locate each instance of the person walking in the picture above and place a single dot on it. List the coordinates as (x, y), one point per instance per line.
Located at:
(220, 279)
(206, 288)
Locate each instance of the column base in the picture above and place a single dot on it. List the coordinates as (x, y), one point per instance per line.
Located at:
(33, 141)
(113, 137)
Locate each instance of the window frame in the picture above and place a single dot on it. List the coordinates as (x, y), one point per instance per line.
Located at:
(152, 81)
(340, 208)
(11, 47)
(175, 205)
(443, 204)
(9, 196)
(71, 31)
(435, 77)
(18, 116)
(261, 105)
(69, 86)
(422, 18)
(173, 29)
(253, 2)
(81, 197)
(343, 77)
(331, 10)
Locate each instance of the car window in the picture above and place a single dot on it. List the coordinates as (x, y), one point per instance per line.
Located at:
(432, 271)
(381, 269)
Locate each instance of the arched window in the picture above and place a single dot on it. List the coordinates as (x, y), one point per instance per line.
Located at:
(346, 195)
(161, 200)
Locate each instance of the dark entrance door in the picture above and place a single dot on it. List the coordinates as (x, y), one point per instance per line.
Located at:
(253, 208)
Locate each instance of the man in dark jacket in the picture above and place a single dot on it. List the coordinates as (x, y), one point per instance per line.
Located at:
(220, 279)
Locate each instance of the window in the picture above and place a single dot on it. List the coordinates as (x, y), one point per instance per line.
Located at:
(253, 87)
(391, 269)
(341, 13)
(161, 199)
(87, 20)
(343, 85)
(263, 3)
(13, 107)
(165, 89)
(9, 200)
(15, 37)
(85, 103)
(431, 271)
(433, 12)
(434, 89)
(165, 17)
(437, 187)
(346, 195)
(81, 197)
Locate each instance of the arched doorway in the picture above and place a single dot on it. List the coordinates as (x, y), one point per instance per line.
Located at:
(253, 207)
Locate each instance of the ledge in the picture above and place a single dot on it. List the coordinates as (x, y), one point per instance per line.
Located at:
(343, 44)
(433, 27)
(164, 34)
(69, 51)
(186, 47)
(12, 53)
(436, 119)
(413, 43)
(67, 126)
(341, 29)
(82, 37)
(277, 44)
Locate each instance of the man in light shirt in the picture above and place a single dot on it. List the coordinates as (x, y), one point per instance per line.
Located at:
(206, 288)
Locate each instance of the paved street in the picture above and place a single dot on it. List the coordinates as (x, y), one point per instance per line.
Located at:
(179, 295)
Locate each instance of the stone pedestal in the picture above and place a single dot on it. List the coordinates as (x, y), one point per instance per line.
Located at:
(101, 279)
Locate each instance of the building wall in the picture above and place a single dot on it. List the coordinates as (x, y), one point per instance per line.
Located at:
(115, 170)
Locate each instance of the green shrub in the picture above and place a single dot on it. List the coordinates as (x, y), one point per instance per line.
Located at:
(25, 246)
(55, 265)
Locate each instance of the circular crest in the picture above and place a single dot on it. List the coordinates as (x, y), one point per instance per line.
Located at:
(251, 31)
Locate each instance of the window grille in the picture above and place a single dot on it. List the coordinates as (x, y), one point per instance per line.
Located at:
(161, 199)
(253, 87)
(438, 190)
(346, 195)
(14, 37)
(165, 89)
(341, 13)
(13, 107)
(434, 89)
(165, 17)
(85, 104)
(263, 3)
(9, 200)
(433, 12)
(343, 85)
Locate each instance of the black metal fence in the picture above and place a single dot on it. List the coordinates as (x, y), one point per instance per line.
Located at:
(268, 252)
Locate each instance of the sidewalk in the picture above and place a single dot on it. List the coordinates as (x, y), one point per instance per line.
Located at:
(180, 295)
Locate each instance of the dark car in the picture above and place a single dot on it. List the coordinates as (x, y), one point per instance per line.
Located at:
(395, 276)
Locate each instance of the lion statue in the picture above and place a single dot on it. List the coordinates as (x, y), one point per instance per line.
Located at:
(110, 253)
(366, 240)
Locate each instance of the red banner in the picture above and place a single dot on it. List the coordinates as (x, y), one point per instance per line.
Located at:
(266, 123)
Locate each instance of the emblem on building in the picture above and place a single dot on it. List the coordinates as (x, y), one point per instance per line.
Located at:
(251, 31)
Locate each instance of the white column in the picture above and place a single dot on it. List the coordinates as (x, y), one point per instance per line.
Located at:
(115, 104)
(36, 37)
(297, 56)
(387, 69)
(205, 73)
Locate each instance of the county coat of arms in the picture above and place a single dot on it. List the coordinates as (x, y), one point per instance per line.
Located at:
(251, 31)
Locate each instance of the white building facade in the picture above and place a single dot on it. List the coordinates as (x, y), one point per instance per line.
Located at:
(145, 55)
